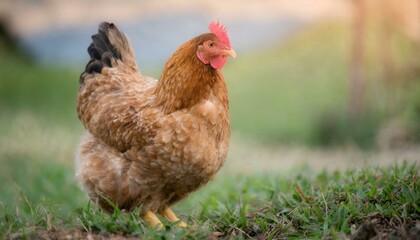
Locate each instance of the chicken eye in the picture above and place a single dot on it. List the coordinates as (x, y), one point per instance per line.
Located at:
(211, 44)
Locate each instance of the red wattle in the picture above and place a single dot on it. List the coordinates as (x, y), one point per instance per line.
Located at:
(218, 62)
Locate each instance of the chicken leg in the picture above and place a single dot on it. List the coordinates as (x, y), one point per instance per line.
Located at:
(171, 217)
(152, 220)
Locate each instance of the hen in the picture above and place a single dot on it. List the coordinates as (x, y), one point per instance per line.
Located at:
(150, 143)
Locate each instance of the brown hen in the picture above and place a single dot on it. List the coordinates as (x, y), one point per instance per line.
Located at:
(150, 143)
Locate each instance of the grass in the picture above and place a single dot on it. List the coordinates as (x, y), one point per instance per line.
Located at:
(307, 205)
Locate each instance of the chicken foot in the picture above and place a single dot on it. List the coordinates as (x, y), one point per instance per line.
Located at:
(171, 217)
(152, 220)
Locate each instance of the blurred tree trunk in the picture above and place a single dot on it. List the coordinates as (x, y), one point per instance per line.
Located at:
(8, 42)
(388, 66)
(357, 81)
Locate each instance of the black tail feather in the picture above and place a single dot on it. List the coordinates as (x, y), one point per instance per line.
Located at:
(101, 50)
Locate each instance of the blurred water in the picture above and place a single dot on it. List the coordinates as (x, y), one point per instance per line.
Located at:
(154, 39)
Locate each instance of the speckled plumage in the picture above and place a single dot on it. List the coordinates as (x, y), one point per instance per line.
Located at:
(149, 143)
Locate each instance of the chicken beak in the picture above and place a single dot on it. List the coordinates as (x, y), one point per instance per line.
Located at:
(229, 52)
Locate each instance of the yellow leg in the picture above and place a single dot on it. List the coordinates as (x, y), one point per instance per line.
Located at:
(170, 215)
(152, 220)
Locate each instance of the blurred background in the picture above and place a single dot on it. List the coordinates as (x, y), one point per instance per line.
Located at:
(317, 83)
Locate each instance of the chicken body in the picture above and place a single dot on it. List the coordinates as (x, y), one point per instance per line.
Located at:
(149, 143)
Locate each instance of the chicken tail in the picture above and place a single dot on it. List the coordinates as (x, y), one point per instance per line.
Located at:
(109, 48)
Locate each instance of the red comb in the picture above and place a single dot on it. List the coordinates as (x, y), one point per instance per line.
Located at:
(220, 31)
